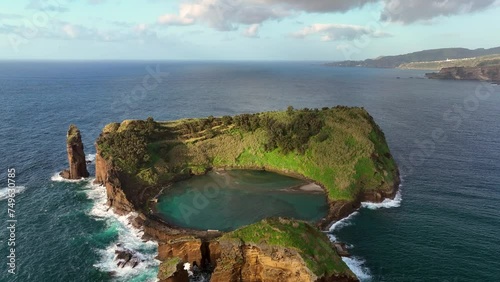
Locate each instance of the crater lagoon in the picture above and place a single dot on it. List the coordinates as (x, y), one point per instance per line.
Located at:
(226, 200)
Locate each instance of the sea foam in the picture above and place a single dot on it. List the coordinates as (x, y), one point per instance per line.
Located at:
(58, 178)
(128, 236)
(346, 221)
(386, 204)
(90, 157)
(356, 265)
(4, 192)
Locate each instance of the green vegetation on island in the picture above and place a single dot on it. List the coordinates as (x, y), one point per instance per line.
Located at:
(312, 245)
(73, 134)
(340, 148)
(168, 268)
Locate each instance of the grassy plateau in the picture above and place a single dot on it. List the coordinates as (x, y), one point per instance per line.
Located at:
(340, 148)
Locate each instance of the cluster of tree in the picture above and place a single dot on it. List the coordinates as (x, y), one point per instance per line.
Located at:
(194, 127)
(248, 122)
(129, 149)
(288, 136)
(294, 135)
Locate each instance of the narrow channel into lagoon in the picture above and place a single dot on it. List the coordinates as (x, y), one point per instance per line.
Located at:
(227, 200)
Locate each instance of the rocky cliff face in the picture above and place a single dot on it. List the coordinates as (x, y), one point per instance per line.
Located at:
(224, 259)
(237, 261)
(108, 176)
(76, 155)
(486, 73)
(233, 260)
(285, 250)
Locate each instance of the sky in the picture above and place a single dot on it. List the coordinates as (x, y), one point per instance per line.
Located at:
(322, 30)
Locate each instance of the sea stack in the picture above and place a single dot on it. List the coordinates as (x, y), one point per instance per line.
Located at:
(76, 156)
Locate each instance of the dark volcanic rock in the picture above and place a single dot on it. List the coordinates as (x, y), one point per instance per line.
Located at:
(486, 73)
(76, 155)
(127, 257)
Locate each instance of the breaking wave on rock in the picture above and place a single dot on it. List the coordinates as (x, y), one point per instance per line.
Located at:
(127, 237)
(58, 178)
(356, 265)
(386, 204)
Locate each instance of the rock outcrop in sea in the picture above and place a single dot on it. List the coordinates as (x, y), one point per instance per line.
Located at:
(76, 156)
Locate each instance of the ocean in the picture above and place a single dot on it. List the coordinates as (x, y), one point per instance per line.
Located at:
(445, 136)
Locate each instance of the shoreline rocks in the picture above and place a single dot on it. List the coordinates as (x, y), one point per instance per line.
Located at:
(127, 257)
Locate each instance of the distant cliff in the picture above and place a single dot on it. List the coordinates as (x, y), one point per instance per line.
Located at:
(76, 155)
(421, 56)
(483, 61)
(484, 73)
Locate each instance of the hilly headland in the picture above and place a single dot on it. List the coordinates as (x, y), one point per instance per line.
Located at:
(426, 59)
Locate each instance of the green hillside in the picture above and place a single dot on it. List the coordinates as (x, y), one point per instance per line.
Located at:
(420, 56)
(340, 148)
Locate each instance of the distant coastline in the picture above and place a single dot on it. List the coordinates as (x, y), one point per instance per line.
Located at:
(434, 59)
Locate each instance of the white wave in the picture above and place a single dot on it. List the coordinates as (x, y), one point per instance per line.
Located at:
(128, 236)
(386, 204)
(90, 157)
(356, 265)
(4, 192)
(346, 221)
(58, 178)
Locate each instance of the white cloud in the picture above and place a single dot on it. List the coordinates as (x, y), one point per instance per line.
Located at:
(228, 14)
(252, 31)
(141, 27)
(318, 6)
(224, 14)
(336, 32)
(175, 20)
(70, 31)
(57, 29)
(409, 11)
(45, 5)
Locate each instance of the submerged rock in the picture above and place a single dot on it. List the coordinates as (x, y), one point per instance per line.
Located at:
(76, 155)
(127, 257)
(341, 249)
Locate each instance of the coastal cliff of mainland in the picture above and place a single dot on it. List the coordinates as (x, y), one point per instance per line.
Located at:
(451, 63)
(341, 149)
(480, 73)
(426, 59)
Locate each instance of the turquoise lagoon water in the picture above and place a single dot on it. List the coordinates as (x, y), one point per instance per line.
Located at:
(230, 199)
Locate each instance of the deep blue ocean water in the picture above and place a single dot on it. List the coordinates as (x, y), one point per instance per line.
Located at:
(444, 134)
